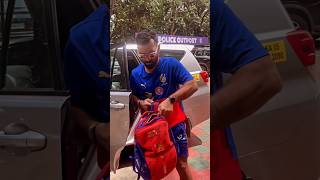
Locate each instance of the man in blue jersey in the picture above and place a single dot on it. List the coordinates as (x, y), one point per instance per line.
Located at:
(87, 77)
(254, 81)
(158, 79)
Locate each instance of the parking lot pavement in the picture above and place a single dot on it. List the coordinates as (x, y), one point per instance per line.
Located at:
(199, 157)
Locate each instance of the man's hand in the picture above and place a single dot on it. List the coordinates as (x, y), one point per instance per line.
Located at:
(185, 91)
(102, 135)
(145, 104)
(165, 107)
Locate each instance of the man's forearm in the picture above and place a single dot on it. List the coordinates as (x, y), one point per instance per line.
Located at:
(249, 89)
(93, 131)
(186, 90)
(135, 99)
(82, 120)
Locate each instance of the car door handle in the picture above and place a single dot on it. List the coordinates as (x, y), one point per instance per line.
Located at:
(116, 105)
(30, 140)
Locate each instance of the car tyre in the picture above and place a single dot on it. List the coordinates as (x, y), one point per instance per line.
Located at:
(300, 22)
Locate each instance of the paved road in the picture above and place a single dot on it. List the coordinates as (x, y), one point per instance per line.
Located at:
(199, 156)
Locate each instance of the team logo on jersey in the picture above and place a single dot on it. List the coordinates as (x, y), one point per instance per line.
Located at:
(159, 91)
(163, 79)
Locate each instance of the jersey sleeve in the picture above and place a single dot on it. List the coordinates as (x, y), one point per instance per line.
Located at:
(233, 44)
(82, 87)
(181, 74)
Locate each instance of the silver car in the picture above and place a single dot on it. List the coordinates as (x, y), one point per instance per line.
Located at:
(37, 139)
(196, 107)
(280, 141)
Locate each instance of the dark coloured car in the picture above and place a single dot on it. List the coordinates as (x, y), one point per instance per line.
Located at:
(305, 15)
(202, 54)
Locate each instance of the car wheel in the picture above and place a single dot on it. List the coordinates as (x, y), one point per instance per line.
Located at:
(299, 22)
(204, 67)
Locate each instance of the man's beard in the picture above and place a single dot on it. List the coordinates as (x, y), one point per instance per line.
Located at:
(151, 65)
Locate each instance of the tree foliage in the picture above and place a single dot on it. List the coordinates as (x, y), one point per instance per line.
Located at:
(176, 17)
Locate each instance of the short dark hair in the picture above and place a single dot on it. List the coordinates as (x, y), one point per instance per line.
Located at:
(145, 36)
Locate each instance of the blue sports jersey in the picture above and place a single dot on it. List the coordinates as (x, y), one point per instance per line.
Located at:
(232, 47)
(162, 82)
(87, 64)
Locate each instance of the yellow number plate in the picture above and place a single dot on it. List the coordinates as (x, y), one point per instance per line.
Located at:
(277, 51)
(196, 77)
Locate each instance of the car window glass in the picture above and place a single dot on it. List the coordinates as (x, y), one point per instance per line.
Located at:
(178, 54)
(118, 81)
(202, 53)
(132, 61)
(28, 66)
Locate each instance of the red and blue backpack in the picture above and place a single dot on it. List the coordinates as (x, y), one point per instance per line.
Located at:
(155, 155)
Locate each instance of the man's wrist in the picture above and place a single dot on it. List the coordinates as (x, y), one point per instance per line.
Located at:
(172, 99)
